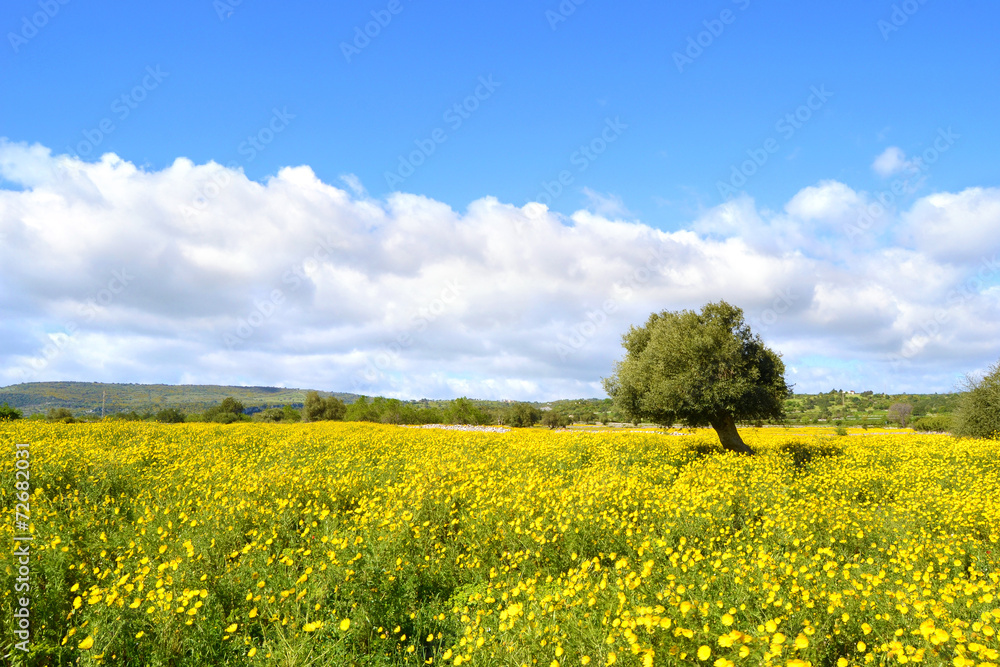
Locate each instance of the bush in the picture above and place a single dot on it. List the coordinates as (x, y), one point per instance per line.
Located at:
(978, 413)
(318, 408)
(131, 416)
(937, 423)
(553, 419)
(392, 411)
(521, 415)
(269, 415)
(8, 413)
(60, 415)
(170, 416)
(287, 415)
(464, 411)
(227, 412)
(361, 410)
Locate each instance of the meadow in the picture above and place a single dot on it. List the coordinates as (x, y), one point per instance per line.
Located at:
(362, 544)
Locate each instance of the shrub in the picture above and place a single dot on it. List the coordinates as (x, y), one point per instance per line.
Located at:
(978, 413)
(318, 408)
(130, 416)
(936, 423)
(169, 416)
(60, 415)
(269, 415)
(8, 413)
(227, 412)
(553, 419)
(521, 415)
(464, 411)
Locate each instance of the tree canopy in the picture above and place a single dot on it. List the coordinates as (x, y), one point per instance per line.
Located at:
(521, 415)
(318, 408)
(228, 411)
(979, 408)
(699, 369)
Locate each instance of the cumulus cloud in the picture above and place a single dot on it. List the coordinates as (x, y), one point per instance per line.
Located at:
(960, 227)
(893, 161)
(829, 202)
(194, 273)
(607, 205)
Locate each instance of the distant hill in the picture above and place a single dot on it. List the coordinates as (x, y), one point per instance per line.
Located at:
(84, 398)
(87, 397)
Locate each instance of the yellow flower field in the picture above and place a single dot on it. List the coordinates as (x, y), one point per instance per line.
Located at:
(342, 543)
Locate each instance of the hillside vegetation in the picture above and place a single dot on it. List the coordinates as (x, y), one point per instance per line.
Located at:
(84, 399)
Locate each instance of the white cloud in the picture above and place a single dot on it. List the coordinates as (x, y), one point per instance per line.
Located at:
(607, 205)
(354, 183)
(111, 272)
(892, 161)
(961, 227)
(829, 202)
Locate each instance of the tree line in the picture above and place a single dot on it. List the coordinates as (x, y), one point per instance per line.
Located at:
(319, 408)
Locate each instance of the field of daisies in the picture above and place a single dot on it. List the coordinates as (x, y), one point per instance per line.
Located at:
(361, 544)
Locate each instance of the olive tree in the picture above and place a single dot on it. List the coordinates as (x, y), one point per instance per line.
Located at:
(978, 413)
(699, 369)
(317, 408)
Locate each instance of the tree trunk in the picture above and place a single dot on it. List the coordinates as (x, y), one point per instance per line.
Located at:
(725, 427)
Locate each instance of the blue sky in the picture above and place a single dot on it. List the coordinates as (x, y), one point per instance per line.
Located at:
(498, 102)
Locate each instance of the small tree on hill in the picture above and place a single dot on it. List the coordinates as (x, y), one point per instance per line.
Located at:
(978, 413)
(900, 413)
(699, 369)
